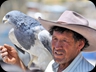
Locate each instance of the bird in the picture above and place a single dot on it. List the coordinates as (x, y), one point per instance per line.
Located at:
(28, 35)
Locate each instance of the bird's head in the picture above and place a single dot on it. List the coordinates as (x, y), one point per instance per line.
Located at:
(14, 18)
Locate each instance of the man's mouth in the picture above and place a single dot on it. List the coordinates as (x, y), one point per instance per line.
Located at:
(58, 53)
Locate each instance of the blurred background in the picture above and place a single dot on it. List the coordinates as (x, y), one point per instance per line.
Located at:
(46, 9)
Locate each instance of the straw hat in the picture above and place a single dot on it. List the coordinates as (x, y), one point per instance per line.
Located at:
(76, 22)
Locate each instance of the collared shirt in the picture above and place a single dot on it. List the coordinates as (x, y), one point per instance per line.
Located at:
(79, 64)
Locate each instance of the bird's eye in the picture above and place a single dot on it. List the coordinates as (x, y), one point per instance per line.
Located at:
(7, 16)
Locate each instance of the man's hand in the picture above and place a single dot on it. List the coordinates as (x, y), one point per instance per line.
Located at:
(9, 54)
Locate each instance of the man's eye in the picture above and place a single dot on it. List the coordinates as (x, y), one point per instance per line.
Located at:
(54, 38)
(64, 40)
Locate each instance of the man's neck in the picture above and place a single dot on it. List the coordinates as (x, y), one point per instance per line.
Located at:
(65, 65)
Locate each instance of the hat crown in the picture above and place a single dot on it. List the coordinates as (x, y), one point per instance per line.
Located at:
(72, 17)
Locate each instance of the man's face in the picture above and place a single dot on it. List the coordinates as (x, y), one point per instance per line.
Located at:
(64, 47)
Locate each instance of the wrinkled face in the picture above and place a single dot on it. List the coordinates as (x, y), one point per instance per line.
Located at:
(64, 47)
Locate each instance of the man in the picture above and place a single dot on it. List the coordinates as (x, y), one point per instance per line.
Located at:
(71, 35)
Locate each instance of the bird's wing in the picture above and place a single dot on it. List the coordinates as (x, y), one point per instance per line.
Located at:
(26, 38)
(14, 40)
(45, 39)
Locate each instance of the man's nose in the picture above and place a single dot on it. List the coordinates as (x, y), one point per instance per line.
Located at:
(58, 44)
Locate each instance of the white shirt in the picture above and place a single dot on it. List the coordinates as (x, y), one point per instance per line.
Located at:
(79, 64)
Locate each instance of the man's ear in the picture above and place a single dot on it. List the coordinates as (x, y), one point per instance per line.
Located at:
(81, 44)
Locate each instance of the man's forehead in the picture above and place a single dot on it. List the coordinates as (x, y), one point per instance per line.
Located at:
(70, 33)
(64, 31)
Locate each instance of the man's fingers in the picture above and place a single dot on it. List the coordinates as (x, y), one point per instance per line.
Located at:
(8, 60)
(5, 59)
(4, 54)
(1, 47)
(3, 50)
(8, 47)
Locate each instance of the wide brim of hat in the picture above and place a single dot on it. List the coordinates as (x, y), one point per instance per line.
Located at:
(87, 32)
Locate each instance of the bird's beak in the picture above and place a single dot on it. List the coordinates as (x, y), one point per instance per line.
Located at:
(4, 20)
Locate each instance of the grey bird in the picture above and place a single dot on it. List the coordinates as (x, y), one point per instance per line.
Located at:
(28, 35)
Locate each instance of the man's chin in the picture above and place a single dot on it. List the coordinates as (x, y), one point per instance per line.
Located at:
(59, 61)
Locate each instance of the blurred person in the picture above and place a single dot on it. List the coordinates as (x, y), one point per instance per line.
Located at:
(71, 35)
